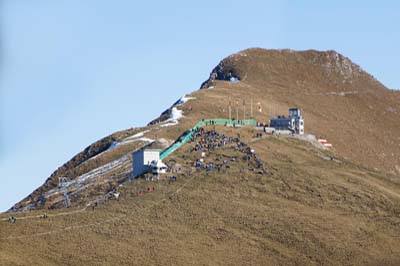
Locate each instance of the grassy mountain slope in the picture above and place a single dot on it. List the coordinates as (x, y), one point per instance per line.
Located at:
(312, 207)
(306, 210)
(340, 101)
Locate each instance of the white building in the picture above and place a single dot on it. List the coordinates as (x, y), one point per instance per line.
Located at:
(143, 159)
(294, 123)
(158, 167)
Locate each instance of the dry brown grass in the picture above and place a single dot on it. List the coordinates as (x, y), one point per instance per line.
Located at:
(307, 211)
(351, 109)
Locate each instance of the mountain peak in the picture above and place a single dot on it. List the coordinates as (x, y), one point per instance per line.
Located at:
(334, 93)
(257, 65)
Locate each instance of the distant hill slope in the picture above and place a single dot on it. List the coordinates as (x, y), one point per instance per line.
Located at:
(340, 101)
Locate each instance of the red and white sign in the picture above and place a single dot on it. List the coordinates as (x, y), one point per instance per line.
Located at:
(325, 143)
(259, 107)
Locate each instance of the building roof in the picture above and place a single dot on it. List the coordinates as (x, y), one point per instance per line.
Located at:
(149, 149)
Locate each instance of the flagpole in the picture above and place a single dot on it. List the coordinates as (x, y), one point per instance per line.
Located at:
(244, 110)
(230, 115)
(237, 110)
(251, 108)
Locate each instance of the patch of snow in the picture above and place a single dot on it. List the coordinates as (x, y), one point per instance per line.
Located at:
(136, 140)
(234, 79)
(170, 124)
(164, 141)
(146, 140)
(212, 87)
(137, 135)
(113, 145)
(140, 134)
(176, 114)
(184, 99)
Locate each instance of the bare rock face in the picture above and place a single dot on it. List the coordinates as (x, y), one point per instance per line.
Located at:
(225, 70)
(338, 63)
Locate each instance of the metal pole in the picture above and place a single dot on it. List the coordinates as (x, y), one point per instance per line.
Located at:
(237, 110)
(244, 110)
(251, 108)
(229, 108)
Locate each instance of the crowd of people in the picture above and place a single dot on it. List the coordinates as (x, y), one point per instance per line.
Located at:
(209, 140)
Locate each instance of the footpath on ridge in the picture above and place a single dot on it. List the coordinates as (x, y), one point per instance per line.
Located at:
(205, 122)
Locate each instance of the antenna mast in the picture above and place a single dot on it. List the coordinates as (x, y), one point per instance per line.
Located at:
(244, 110)
(237, 110)
(229, 108)
(251, 108)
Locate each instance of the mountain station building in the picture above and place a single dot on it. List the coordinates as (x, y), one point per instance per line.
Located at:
(294, 122)
(147, 160)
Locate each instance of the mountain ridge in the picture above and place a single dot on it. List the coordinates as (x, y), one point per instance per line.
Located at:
(331, 60)
(277, 75)
(255, 199)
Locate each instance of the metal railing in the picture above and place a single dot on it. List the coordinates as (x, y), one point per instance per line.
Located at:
(206, 122)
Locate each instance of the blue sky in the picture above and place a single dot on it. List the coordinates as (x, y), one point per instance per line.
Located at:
(74, 71)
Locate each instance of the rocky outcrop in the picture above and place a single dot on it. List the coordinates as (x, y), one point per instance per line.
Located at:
(225, 70)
